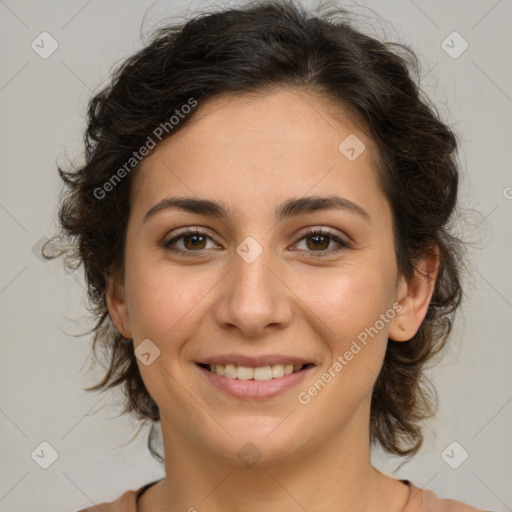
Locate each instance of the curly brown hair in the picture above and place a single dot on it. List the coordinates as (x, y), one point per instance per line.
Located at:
(239, 50)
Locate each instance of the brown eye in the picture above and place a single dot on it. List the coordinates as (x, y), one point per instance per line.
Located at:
(193, 241)
(318, 241)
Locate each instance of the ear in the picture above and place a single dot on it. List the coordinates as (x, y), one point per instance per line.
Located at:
(117, 307)
(414, 294)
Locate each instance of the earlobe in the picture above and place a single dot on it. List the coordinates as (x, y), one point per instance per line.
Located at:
(414, 295)
(117, 307)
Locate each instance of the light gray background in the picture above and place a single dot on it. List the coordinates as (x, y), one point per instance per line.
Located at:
(42, 105)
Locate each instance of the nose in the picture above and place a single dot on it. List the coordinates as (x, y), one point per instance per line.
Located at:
(253, 298)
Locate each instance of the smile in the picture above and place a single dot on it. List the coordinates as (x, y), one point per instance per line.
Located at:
(261, 380)
(233, 371)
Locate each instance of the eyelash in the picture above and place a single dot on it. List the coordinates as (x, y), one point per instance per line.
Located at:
(315, 231)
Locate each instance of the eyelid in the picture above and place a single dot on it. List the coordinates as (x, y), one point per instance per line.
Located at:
(188, 231)
(332, 235)
(345, 238)
(308, 231)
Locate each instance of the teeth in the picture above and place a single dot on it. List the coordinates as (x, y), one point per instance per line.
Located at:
(230, 371)
(275, 371)
(244, 373)
(263, 373)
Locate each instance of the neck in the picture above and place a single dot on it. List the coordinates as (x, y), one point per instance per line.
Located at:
(329, 476)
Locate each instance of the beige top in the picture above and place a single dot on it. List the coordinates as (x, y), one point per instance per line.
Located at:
(420, 500)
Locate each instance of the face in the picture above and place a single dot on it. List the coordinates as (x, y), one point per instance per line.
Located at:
(263, 286)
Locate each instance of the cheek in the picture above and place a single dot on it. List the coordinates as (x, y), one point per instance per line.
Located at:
(348, 301)
(350, 305)
(163, 298)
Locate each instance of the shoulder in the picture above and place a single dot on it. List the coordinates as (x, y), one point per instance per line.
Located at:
(425, 500)
(127, 502)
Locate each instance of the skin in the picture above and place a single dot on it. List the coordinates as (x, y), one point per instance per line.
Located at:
(253, 152)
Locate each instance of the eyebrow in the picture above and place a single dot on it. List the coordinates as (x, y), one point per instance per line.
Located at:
(290, 208)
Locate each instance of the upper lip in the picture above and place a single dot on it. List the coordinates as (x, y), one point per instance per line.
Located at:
(254, 361)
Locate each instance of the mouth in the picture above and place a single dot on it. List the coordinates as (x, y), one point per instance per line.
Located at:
(254, 382)
(261, 373)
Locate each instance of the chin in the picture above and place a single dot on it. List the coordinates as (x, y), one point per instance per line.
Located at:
(257, 442)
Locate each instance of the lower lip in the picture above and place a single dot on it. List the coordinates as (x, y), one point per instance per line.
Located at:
(255, 388)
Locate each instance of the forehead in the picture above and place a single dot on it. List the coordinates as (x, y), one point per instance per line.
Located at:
(269, 116)
(261, 148)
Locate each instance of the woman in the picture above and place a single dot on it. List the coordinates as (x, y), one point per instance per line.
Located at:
(263, 219)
